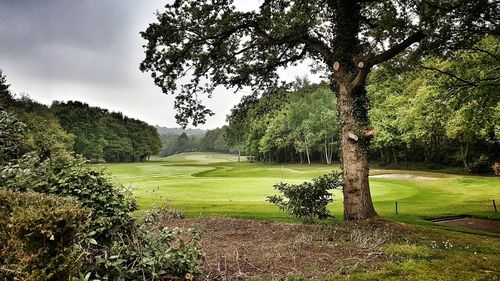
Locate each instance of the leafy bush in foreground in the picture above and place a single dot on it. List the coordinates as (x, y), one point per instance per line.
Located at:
(64, 175)
(39, 236)
(307, 200)
(150, 252)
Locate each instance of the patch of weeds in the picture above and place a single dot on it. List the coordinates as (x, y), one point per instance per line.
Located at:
(408, 251)
(296, 278)
(162, 213)
(444, 245)
(363, 235)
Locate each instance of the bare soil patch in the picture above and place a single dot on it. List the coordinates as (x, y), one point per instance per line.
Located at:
(402, 176)
(474, 223)
(239, 249)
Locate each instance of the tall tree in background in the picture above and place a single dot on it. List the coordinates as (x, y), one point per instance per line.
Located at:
(215, 44)
(5, 96)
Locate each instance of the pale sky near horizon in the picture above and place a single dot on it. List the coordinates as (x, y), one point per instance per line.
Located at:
(90, 50)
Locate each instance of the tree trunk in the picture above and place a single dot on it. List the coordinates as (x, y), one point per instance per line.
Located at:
(464, 153)
(331, 151)
(308, 157)
(357, 198)
(326, 154)
(239, 155)
(395, 156)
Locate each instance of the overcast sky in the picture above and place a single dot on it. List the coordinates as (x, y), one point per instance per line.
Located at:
(90, 50)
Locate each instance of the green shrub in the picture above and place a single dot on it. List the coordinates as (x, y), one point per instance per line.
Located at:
(39, 236)
(150, 252)
(307, 200)
(65, 175)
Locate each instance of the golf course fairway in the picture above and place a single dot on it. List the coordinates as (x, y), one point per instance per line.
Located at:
(203, 184)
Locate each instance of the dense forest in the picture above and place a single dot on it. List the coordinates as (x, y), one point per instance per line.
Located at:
(95, 133)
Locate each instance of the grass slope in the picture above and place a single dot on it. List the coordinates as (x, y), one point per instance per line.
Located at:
(212, 183)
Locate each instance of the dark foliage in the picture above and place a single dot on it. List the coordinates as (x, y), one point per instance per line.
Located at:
(40, 235)
(100, 134)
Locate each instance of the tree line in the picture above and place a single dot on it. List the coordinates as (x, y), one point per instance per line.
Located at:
(95, 133)
(296, 125)
(419, 116)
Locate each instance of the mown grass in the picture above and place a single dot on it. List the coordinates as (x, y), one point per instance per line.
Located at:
(215, 184)
(212, 183)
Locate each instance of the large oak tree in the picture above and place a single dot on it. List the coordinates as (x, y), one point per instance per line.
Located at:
(197, 45)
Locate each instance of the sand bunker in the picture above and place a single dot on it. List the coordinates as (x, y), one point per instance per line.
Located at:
(474, 223)
(401, 176)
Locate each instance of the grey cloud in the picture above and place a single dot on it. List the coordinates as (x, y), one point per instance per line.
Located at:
(83, 40)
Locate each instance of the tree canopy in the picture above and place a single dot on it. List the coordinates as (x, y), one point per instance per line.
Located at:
(212, 43)
(72, 126)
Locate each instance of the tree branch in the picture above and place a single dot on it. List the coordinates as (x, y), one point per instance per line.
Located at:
(319, 46)
(465, 82)
(364, 67)
(486, 52)
(311, 43)
(397, 49)
(449, 74)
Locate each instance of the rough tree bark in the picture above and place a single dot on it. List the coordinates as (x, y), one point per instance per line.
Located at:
(349, 82)
(357, 198)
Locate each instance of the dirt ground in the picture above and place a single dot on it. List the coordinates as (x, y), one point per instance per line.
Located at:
(475, 223)
(240, 249)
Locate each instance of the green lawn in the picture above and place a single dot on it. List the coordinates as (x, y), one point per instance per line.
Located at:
(212, 183)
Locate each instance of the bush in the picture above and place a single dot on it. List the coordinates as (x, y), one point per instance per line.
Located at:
(481, 166)
(65, 175)
(151, 253)
(307, 200)
(39, 236)
(162, 213)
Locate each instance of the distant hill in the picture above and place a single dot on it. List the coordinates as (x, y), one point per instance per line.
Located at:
(178, 131)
